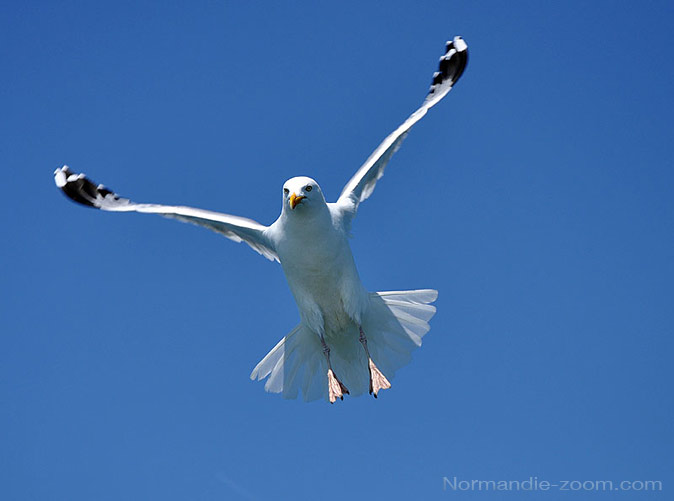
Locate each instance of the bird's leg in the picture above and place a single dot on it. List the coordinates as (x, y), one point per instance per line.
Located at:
(377, 380)
(335, 387)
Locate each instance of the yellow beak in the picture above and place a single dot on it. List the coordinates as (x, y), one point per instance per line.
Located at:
(294, 200)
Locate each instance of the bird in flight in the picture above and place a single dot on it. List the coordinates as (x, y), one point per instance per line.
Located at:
(348, 340)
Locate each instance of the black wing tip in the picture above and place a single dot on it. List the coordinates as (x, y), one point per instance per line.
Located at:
(80, 189)
(452, 64)
(457, 43)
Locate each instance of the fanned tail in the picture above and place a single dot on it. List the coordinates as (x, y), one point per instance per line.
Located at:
(295, 363)
(394, 325)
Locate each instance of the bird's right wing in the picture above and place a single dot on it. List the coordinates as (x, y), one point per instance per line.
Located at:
(82, 190)
(362, 184)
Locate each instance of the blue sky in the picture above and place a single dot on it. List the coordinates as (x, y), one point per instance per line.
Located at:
(537, 198)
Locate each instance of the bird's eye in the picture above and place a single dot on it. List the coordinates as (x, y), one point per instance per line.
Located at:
(308, 188)
(286, 190)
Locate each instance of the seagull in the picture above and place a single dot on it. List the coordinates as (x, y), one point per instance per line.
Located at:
(348, 340)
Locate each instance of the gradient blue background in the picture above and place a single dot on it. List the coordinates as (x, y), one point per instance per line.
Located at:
(537, 198)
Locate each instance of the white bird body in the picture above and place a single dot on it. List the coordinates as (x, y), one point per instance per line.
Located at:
(313, 248)
(328, 297)
(310, 240)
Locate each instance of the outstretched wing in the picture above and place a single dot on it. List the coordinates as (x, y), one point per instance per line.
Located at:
(82, 190)
(361, 186)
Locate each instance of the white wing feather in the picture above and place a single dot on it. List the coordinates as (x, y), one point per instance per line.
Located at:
(362, 184)
(82, 190)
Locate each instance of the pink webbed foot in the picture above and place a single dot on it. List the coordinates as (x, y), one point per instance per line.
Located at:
(335, 387)
(377, 380)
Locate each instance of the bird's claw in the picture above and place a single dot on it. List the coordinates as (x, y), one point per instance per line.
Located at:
(335, 387)
(377, 380)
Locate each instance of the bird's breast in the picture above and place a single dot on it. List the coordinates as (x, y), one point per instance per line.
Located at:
(322, 276)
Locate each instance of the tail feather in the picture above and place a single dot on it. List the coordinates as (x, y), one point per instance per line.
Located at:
(423, 312)
(394, 325)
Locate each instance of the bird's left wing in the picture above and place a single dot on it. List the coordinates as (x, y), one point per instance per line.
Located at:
(362, 184)
(82, 190)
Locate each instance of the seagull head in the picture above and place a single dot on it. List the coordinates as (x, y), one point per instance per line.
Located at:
(301, 193)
